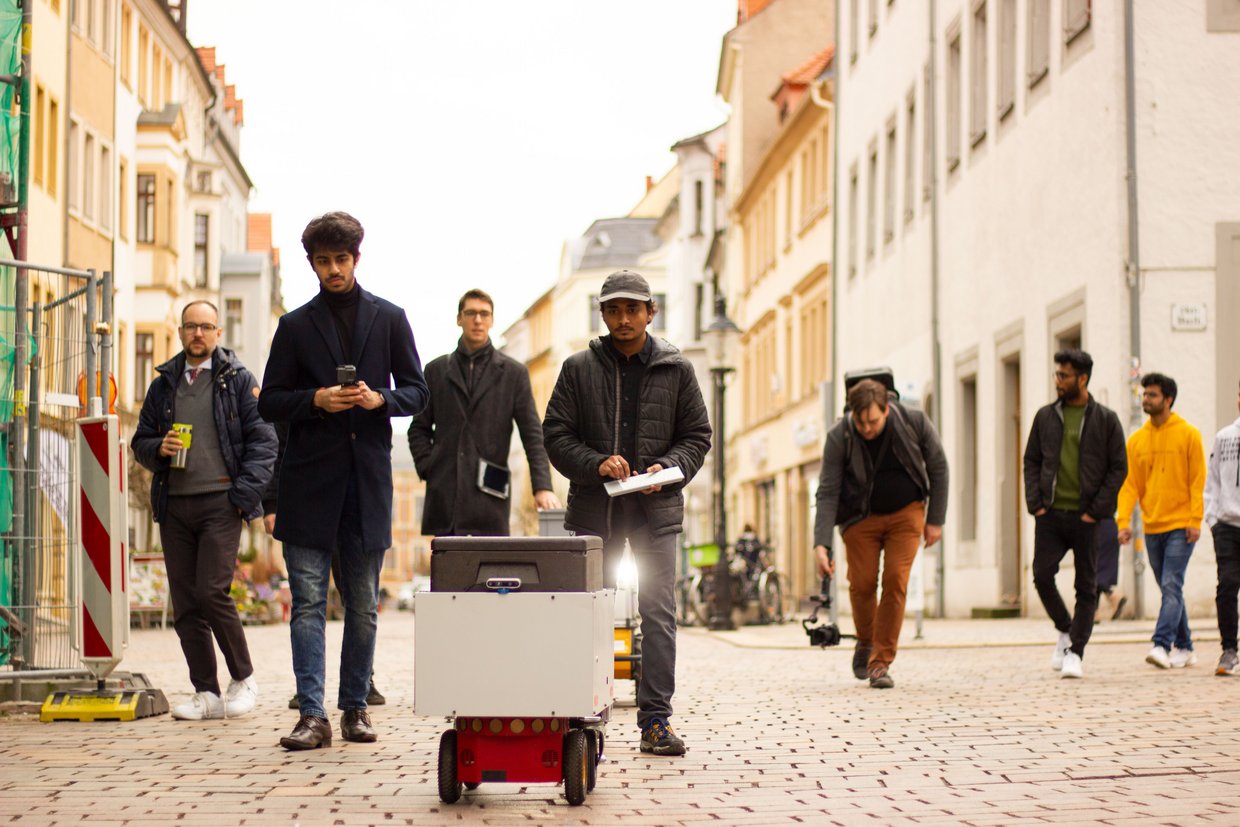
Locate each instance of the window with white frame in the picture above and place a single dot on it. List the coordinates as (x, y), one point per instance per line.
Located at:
(143, 363)
(89, 190)
(105, 187)
(145, 217)
(232, 323)
(871, 202)
(202, 227)
(910, 155)
(1038, 51)
(927, 136)
(854, 29)
(889, 183)
(74, 164)
(1076, 16)
(977, 76)
(954, 80)
(1006, 86)
(853, 195)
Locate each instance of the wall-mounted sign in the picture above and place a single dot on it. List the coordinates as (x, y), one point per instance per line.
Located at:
(1188, 316)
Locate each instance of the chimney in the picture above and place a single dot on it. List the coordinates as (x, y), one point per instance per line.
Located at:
(177, 9)
(649, 183)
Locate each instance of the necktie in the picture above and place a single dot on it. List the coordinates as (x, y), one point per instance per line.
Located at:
(193, 374)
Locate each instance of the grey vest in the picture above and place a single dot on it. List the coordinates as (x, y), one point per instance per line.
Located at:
(204, 470)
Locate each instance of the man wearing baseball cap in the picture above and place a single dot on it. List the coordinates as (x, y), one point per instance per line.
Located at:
(630, 404)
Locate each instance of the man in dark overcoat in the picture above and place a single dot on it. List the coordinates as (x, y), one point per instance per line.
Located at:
(476, 395)
(335, 490)
(630, 404)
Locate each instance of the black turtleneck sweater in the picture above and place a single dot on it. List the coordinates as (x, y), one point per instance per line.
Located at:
(344, 310)
(473, 363)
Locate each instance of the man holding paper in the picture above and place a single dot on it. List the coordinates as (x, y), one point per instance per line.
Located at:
(630, 404)
(460, 440)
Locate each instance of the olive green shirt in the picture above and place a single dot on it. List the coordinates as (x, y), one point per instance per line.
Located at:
(1068, 480)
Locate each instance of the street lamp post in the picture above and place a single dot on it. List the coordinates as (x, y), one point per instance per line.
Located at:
(721, 338)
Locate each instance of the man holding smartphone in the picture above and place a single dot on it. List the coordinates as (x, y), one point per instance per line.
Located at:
(335, 488)
(460, 441)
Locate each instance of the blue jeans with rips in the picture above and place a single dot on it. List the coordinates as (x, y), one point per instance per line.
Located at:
(308, 571)
(1169, 553)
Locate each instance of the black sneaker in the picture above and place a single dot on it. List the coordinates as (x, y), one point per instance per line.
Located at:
(374, 697)
(861, 661)
(294, 703)
(658, 738)
(880, 678)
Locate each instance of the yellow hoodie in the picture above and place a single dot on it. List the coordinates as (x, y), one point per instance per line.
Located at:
(1167, 474)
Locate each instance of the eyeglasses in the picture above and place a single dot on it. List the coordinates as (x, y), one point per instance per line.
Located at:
(192, 328)
(1064, 377)
(476, 314)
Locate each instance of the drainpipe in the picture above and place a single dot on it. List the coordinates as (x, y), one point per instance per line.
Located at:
(936, 354)
(1134, 291)
(828, 414)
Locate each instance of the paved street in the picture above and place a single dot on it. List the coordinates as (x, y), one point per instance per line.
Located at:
(977, 731)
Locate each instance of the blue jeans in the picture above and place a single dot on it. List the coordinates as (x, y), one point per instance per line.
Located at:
(1169, 554)
(308, 570)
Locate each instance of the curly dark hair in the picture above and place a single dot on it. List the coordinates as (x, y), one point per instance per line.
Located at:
(333, 231)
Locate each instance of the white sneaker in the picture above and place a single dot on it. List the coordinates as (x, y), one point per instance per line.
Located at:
(1158, 657)
(200, 707)
(1072, 666)
(240, 697)
(1061, 648)
(1180, 658)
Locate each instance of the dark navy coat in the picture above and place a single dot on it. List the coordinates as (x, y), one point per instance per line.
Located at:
(324, 449)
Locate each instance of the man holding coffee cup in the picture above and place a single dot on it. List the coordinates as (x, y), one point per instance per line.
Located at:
(211, 454)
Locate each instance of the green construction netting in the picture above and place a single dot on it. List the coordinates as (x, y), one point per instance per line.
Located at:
(10, 140)
(10, 64)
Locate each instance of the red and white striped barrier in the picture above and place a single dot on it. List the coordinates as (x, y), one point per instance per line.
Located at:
(102, 612)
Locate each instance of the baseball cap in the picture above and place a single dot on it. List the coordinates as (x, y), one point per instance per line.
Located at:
(625, 284)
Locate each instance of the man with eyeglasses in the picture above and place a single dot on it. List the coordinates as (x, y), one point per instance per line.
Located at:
(1075, 462)
(202, 412)
(460, 440)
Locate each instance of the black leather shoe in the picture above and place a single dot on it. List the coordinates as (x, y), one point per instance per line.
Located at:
(374, 697)
(294, 702)
(310, 733)
(355, 726)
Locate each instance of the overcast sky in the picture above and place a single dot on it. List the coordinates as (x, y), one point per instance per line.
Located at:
(471, 138)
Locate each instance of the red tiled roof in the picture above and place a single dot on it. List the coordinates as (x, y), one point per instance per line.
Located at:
(239, 113)
(804, 74)
(206, 56)
(748, 8)
(258, 232)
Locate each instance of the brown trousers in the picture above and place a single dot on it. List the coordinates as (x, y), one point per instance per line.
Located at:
(896, 537)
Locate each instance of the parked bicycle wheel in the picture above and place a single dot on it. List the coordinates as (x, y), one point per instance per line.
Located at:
(697, 600)
(770, 598)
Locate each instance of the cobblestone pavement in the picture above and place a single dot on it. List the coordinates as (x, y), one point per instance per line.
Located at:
(777, 733)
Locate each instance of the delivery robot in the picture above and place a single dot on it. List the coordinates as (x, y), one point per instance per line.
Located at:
(513, 644)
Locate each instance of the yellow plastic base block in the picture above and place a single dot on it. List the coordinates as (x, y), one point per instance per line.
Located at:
(86, 705)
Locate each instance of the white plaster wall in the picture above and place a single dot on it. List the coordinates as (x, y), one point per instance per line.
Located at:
(1037, 213)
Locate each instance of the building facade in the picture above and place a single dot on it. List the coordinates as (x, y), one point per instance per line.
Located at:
(985, 223)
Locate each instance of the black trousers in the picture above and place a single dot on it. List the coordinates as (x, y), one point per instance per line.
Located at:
(1227, 553)
(1056, 532)
(201, 534)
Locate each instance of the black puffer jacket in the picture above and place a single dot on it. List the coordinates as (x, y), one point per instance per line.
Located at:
(1103, 463)
(580, 432)
(248, 444)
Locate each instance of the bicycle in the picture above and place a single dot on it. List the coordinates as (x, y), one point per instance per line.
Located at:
(756, 583)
